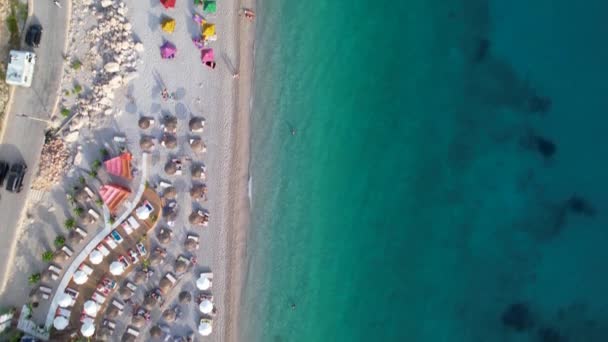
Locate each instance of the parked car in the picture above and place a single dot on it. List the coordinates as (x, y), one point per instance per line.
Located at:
(33, 36)
(14, 182)
(141, 249)
(3, 171)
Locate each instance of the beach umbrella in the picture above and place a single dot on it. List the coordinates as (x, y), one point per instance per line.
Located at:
(198, 191)
(196, 124)
(88, 327)
(156, 259)
(128, 338)
(209, 7)
(170, 124)
(165, 285)
(170, 193)
(145, 122)
(138, 321)
(169, 315)
(64, 300)
(80, 277)
(146, 143)
(149, 302)
(195, 218)
(164, 235)
(208, 31)
(60, 322)
(191, 245)
(96, 257)
(125, 292)
(112, 311)
(117, 268)
(74, 238)
(168, 50)
(198, 172)
(156, 332)
(46, 276)
(140, 277)
(169, 141)
(207, 55)
(170, 168)
(90, 308)
(203, 283)
(180, 266)
(168, 25)
(205, 306)
(81, 196)
(168, 3)
(185, 297)
(197, 145)
(204, 328)
(105, 334)
(170, 214)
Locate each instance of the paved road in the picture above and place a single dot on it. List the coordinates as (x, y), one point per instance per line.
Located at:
(23, 138)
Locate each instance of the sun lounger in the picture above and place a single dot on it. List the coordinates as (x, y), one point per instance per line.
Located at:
(103, 249)
(67, 250)
(118, 304)
(184, 259)
(192, 237)
(132, 331)
(81, 231)
(164, 184)
(54, 275)
(131, 286)
(125, 225)
(94, 214)
(133, 222)
(86, 269)
(110, 324)
(73, 293)
(63, 312)
(45, 289)
(119, 139)
(89, 192)
(100, 299)
(54, 268)
(84, 316)
(110, 242)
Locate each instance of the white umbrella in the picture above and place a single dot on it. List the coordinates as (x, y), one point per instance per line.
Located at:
(80, 277)
(88, 328)
(203, 283)
(64, 300)
(206, 306)
(60, 322)
(204, 328)
(90, 307)
(116, 268)
(96, 257)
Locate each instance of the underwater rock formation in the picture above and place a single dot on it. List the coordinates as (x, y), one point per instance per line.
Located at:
(550, 335)
(539, 104)
(580, 206)
(483, 49)
(518, 317)
(545, 146)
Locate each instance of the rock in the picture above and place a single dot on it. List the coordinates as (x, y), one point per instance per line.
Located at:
(115, 82)
(139, 47)
(71, 137)
(108, 111)
(130, 77)
(112, 67)
(106, 3)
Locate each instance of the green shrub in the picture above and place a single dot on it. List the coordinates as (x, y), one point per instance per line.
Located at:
(59, 241)
(93, 173)
(34, 278)
(70, 224)
(47, 256)
(76, 64)
(96, 165)
(104, 152)
(78, 211)
(99, 202)
(65, 112)
(82, 180)
(77, 89)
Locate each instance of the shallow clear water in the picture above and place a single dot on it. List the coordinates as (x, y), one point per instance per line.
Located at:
(410, 205)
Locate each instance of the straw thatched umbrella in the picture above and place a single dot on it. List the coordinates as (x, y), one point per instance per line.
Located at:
(156, 259)
(165, 285)
(191, 245)
(146, 143)
(196, 124)
(170, 124)
(164, 235)
(197, 145)
(74, 238)
(156, 332)
(35, 296)
(125, 293)
(81, 196)
(170, 214)
(170, 193)
(198, 172)
(128, 338)
(180, 266)
(185, 297)
(169, 315)
(140, 277)
(88, 219)
(196, 218)
(112, 311)
(169, 141)
(138, 321)
(46, 276)
(198, 191)
(104, 334)
(145, 122)
(149, 302)
(170, 167)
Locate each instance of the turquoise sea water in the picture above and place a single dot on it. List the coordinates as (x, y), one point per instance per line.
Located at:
(411, 204)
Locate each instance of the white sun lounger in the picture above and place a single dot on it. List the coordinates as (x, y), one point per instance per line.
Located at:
(67, 250)
(94, 214)
(171, 278)
(131, 286)
(86, 269)
(184, 259)
(192, 237)
(109, 324)
(164, 185)
(110, 242)
(132, 331)
(45, 291)
(125, 225)
(103, 249)
(54, 275)
(73, 293)
(133, 222)
(118, 304)
(100, 299)
(89, 192)
(81, 231)
(54, 268)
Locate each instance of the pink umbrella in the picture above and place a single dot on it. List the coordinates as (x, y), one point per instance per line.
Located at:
(198, 42)
(168, 50)
(207, 55)
(197, 18)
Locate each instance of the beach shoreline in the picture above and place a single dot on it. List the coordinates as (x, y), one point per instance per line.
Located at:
(237, 207)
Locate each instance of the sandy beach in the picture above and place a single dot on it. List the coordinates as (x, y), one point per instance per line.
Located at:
(216, 95)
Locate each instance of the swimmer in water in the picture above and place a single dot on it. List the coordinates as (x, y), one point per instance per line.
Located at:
(293, 131)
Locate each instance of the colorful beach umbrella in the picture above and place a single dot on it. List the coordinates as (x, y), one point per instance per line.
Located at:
(209, 6)
(208, 31)
(168, 50)
(168, 3)
(197, 18)
(60, 322)
(207, 55)
(168, 25)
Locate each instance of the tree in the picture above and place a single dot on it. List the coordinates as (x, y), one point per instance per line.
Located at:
(93, 173)
(70, 223)
(34, 278)
(99, 202)
(82, 180)
(59, 241)
(47, 256)
(96, 165)
(104, 152)
(78, 211)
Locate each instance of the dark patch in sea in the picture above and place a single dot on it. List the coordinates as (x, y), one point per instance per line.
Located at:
(518, 317)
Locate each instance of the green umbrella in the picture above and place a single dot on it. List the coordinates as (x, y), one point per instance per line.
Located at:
(209, 7)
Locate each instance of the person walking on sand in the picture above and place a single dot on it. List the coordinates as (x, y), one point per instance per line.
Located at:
(235, 76)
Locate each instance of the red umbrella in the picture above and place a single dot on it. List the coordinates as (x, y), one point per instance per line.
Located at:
(168, 3)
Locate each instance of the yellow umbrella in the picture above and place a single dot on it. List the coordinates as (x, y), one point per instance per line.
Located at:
(209, 31)
(168, 25)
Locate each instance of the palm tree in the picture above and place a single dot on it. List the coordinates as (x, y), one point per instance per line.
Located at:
(71, 199)
(99, 202)
(96, 165)
(47, 256)
(93, 173)
(70, 223)
(59, 241)
(82, 180)
(104, 152)
(78, 211)
(34, 278)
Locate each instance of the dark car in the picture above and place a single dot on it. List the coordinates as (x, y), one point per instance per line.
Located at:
(33, 35)
(3, 171)
(14, 181)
